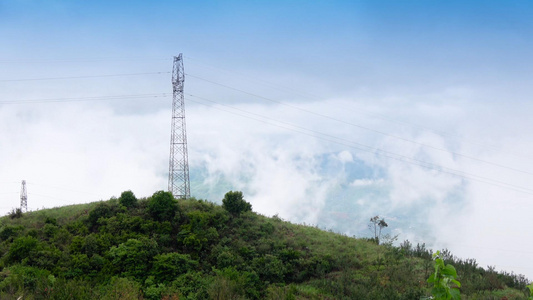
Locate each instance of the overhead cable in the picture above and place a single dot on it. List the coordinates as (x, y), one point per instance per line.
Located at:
(373, 150)
(95, 98)
(363, 127)
(359, 110)
(82, 77)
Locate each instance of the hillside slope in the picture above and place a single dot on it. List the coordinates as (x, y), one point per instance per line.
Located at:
(160, 248)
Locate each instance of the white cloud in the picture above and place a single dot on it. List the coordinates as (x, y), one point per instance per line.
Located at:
(367, 182)
(72, 153)
(345, 156)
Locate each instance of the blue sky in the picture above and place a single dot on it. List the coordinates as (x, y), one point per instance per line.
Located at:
(387, 43)
(372, 84)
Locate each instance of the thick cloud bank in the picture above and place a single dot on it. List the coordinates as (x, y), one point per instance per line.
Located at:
(465, 189)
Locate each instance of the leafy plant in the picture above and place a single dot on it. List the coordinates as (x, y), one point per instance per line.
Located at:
(443, 280)
(530, 287)
(22, 248)
(128, 199)
(15, 213)
(168, 266)
(162, 206)
(234, 203)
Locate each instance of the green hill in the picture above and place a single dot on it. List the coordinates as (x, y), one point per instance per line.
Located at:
(160, 248)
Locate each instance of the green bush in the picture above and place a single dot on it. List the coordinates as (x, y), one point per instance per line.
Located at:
(48, 258)
(162, 206)
(269, 268)
(122, 288)
(192, 285)
(24, 278)
(50, 230)
(128, 199)
(167, 267)
(22, 248)
(72, 290)
(102, 210)
(234, 203)
(9, 231)
(133, 258)
(15, 213)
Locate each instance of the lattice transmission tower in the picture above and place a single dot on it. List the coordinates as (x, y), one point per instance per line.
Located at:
(23, 197)
(178, 177)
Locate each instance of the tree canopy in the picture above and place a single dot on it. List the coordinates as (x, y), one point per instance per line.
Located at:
(235, 204)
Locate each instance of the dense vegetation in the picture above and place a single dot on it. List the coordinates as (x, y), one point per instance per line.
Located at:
(160, 248)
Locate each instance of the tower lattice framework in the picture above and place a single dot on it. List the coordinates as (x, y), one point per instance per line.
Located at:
(23, 197)
(178, 178)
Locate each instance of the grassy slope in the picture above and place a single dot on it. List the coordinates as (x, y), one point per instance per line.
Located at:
(249, 256)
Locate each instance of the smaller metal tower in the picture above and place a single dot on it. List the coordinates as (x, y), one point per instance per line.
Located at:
(23, 197)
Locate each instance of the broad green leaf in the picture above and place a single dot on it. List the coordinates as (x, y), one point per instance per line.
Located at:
(457, 283)
(439, 293)
(449, 270)
(456, 295)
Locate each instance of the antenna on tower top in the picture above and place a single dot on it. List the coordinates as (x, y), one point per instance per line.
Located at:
(178, 177)
(23, 197)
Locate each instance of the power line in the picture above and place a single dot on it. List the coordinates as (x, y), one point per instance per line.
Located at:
(51, 197)
(61, 188)
(95, 98)
(82, 77)
(365, 128)
(94, 59)
(359, 110)
(370, 149)
(260, 81)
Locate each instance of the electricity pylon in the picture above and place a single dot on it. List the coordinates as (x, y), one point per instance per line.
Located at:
(178, 177)
(23, 197)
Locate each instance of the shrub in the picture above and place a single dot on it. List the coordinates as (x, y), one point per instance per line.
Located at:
(15, 213)
(22, 248)
(166, 267)
(162, 206)
(223, 288)
(192, 285)
(234, 203)
(269, 268)
(128, 199)
(9, 231)
(23, 278)
(133, 258)
(72, 290)
(102, 210)
(50, 220)
(123, 288)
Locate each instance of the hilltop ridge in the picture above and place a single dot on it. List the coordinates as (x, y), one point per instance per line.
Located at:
(162, 248)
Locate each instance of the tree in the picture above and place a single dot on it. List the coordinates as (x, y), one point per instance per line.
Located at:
(22, 248)
(376, 225)
(162, 206)
(134, 257)
(234, 203)
(168, 266)
(128, 199)
(102, 210)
